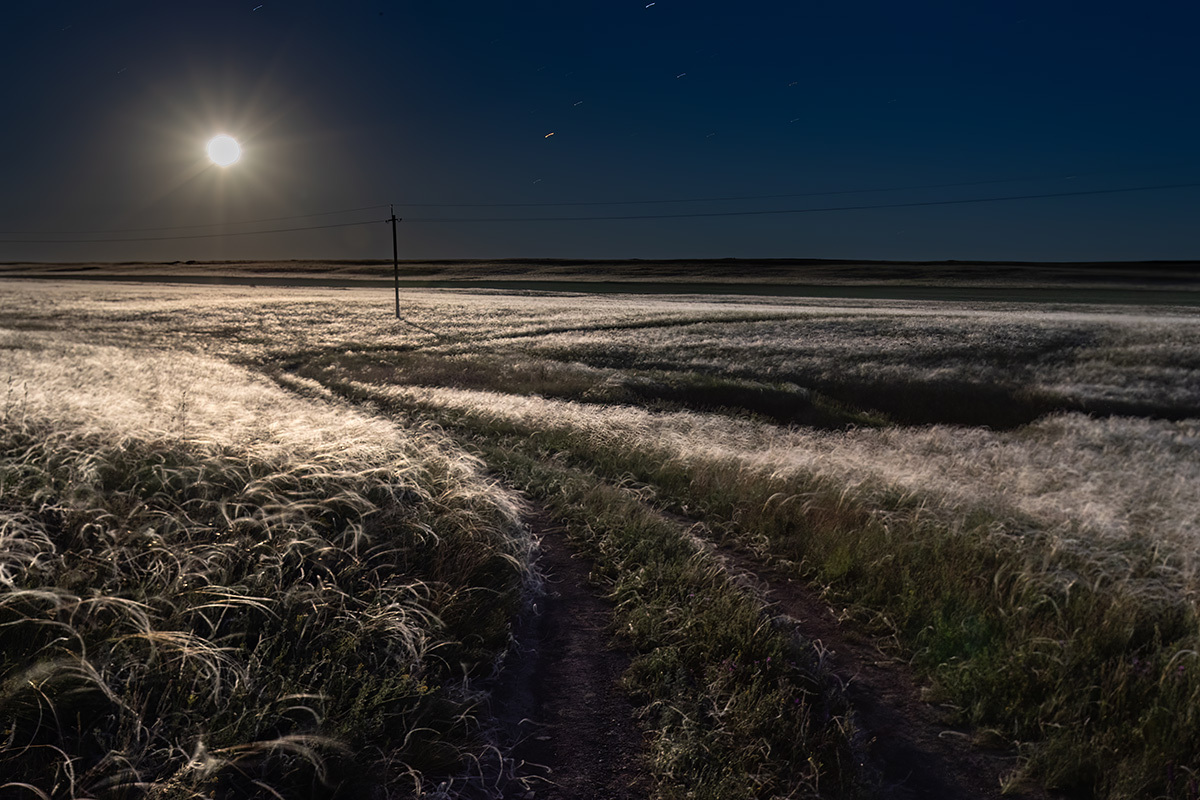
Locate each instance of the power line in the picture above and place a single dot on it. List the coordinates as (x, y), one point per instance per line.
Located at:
(733, 197)
(191, 227)
(660, 201)
(192, 236)
(724, 198)
(691, 215)
(688, 215)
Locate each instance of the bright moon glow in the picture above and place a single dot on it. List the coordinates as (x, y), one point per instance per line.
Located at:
(224, 150)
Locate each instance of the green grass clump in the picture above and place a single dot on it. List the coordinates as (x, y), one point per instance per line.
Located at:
(196, 619)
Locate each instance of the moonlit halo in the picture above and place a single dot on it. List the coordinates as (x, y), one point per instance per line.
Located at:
(224, 150)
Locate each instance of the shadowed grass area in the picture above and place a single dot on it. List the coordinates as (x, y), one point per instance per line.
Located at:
(999, 406)
(1003, 397)
(515, 373)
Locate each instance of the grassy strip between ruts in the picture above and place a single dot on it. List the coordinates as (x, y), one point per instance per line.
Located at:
(188, 619)
(1096, 678)
(738, 705)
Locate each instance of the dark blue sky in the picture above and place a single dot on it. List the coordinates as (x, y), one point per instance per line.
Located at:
(433, 105)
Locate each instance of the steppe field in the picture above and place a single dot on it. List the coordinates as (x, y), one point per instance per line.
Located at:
(274, 542)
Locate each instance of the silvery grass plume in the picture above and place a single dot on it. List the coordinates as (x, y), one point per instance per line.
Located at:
(1093, 483)
(236, 588)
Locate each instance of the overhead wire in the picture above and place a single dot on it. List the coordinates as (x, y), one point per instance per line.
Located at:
(189, 236)
(36, 237)
(815, 209)
(558, 204)
(731, 198)
(197, 225)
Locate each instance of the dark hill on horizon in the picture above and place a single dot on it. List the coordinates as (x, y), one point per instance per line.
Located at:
(1158, 282)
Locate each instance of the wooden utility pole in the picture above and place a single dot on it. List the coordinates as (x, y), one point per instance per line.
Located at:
(395, 260)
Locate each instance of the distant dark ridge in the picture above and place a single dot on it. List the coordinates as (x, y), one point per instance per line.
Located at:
(1136, 294)
(1138, 283)
(1187, 266)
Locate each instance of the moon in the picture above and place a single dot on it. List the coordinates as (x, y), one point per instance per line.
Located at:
(224, 150)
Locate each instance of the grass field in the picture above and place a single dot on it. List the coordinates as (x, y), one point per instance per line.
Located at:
(272, 538)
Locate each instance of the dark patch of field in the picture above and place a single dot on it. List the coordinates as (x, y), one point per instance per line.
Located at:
(655, 389)
(1000, 407)
(795, 399)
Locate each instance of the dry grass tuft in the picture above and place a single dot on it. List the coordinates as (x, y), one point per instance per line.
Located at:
(238, 590)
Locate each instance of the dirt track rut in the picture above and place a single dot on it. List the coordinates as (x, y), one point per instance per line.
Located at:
(570, 726)
(916, 750)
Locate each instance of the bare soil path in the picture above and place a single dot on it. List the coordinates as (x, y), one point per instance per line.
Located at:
(570, 726)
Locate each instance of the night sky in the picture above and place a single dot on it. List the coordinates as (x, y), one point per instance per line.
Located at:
(447, 109)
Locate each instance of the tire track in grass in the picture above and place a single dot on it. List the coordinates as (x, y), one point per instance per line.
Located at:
(568, 724)
(916, 749)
